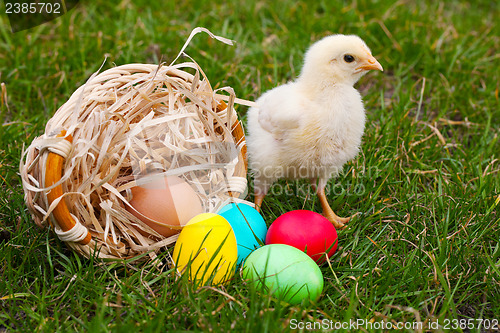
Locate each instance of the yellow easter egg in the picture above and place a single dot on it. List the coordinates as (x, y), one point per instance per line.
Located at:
(206, 249)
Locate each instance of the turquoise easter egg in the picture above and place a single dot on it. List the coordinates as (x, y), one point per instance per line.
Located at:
(248, 225)
(284, 271)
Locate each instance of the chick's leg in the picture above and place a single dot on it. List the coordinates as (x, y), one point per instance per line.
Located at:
(258, 201)
(261, 186)
(338, 222)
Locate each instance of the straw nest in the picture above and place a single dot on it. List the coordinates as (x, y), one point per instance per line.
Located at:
(120, 127)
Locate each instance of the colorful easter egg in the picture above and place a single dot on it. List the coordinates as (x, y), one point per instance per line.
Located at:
(284, 271)
(248, 225)
(307, 231)
(206, 249)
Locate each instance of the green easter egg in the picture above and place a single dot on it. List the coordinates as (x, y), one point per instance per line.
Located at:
(285, 272)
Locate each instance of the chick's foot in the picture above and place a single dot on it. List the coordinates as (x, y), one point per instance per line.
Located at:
(338, 222)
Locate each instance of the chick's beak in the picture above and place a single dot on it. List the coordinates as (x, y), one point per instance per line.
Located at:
(370, 63)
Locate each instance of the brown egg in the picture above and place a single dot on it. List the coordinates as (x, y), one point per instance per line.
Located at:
(165, 201)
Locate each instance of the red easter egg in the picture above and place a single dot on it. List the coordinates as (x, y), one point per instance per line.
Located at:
(307, 231)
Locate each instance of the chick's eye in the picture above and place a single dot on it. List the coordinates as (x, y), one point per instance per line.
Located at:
(348, 58)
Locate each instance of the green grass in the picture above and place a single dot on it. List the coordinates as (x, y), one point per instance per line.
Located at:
(427, 181)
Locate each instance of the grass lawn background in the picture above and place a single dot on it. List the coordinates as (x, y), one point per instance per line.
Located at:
(427, 180)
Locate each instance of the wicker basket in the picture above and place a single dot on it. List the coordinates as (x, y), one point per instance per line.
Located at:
(121, 124)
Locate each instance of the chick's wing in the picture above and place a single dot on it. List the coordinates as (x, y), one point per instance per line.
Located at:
(280, 111)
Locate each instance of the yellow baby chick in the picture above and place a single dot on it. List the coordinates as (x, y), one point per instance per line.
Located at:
(311, 127)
